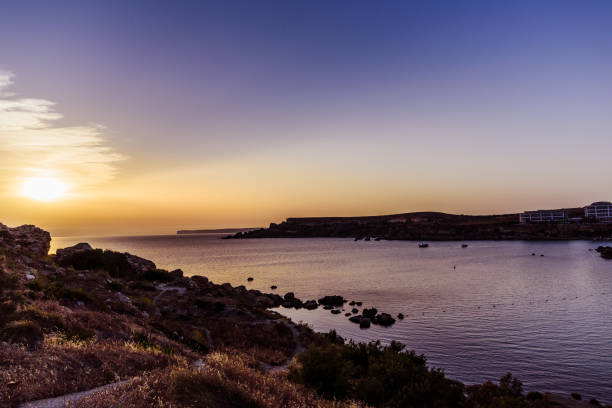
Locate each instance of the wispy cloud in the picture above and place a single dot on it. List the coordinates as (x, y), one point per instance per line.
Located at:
(33, 144)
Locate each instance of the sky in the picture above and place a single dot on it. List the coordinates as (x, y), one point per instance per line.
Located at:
(139, 117)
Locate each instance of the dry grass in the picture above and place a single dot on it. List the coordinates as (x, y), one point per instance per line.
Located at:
(228, 380)
(60, 367)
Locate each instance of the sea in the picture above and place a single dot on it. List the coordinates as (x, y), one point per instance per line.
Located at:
(539, 310)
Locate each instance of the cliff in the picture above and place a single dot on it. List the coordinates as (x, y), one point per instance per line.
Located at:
(430, 226)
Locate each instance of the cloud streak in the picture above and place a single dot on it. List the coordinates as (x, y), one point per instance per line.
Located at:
(34, 145)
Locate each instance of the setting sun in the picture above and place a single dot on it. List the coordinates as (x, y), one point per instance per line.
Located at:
(44, 188)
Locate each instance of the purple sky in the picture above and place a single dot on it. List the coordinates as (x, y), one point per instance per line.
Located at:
(241, 112)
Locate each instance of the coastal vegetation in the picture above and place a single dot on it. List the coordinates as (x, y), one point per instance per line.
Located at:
(86, 318)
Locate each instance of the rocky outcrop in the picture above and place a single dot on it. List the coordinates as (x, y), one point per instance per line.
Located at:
(27, 240)
(68, 251)
(140, 264)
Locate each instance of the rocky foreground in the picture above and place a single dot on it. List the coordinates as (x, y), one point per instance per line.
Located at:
(85, 318)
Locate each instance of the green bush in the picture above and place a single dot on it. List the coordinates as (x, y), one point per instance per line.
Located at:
(144, 341)
(38, 285)
(62, 292)
(157, 275)
(115, 286)
(115, 263)
(381, 376)
(534, 396)
(145, 303)
(142, 285)
(508, 394)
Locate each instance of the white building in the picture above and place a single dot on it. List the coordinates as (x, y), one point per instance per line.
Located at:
(543, 216)
(601, 211)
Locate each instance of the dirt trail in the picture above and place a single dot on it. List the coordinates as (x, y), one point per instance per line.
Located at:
(62, 401)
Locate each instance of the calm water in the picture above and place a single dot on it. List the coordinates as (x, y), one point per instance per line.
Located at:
(545, 319)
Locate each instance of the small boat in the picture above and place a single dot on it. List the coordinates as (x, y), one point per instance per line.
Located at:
(464, 245)
(423, 245)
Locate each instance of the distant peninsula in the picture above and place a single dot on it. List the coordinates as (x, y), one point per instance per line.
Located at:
(218, 230)
(435, 226)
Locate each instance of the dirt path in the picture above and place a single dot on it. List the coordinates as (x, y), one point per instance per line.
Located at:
(62, 401)
(298, 349)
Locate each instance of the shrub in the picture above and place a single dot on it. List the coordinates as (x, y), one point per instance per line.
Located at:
(199, 341)
(115, 286)
(210, 305)
(115, 263)
(157, 275)
(507, 394)
(534, 396)
(380, 376)
(145, 303)
(37, 285)
(48, 321)
(204, 389)
(142, 285)
(324, 369)
(61, 292)
(24, 332)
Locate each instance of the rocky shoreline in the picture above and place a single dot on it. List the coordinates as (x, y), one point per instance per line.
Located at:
(86, 317)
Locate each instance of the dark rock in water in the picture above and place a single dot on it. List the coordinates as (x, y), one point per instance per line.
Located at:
(289, 297)
(358, 238)
(352, 303)
(370, 313)
(250, 279)
(354, 311)
(287, 305)
(311, 304)
(541, 254)
(273, 287)
(367, 238)
(364, 323)
(359, 303)
(400, 316)
(605, 252)
(177, 273)
(533, 254)
(332, 300)
(277, 299)
(347, 314)
(335, 311)
(297, 303)
(328, 307)
(384, 319)
(355, 319)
